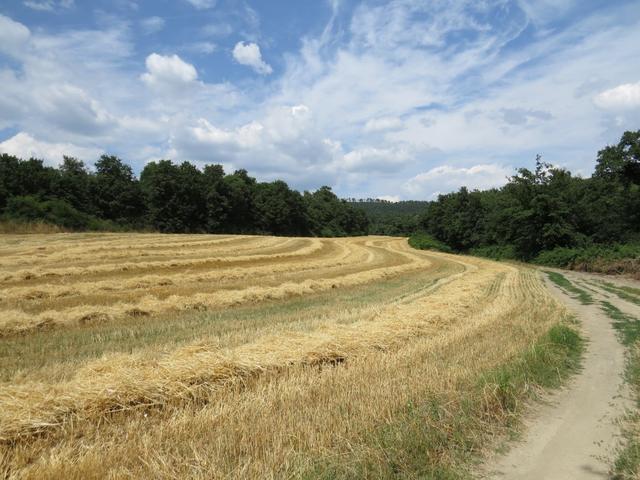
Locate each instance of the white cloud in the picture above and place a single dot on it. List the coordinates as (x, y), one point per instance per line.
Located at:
(48, 5)
(13, 35)
(523, 116)
(382, 124)
(203, 4)
(374, 99)
(217, 29)
(70, 108)
(244, 137)
(44, 6)
(622, 97)
(152, 24)
(285, 143)
(77, 87)
(446, 178)
(543, 11)
(376, 159)
(249, 54)
(389, 198)
(279, 130)
(24, 145)
(204, 48)
(168, 70)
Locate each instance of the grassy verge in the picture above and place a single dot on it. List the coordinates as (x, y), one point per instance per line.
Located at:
(625, 293)
(610, 259)
(628, 326)
(627, 463)
(560, 280)
(495, 252)
(422, 241)
(443, 436)
(18, 227)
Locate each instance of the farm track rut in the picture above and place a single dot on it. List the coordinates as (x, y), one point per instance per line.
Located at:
(574, 433)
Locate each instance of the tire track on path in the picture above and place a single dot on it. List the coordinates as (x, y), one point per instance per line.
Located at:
(574, 433)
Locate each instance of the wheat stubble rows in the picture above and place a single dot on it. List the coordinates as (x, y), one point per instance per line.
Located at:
(60, 286)
(227, 357)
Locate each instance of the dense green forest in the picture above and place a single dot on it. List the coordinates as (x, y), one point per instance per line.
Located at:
(167, 197)
(548, 215)
(391, 218)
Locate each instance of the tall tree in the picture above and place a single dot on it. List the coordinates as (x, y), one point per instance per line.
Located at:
(279, 210)
(175, 196)
(217, 204)
(331, 217)
(116, 192)
(621, 161)
(239, 190)
(74, 184)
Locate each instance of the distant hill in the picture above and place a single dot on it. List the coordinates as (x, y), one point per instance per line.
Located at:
(391, 218)
(381, 208)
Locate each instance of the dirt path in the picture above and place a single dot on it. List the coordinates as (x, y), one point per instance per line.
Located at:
(574, 433)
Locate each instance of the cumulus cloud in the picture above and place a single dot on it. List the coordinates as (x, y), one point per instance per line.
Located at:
(152, 24)
(376, 159)
(244, 137)
(389, 198)
(249, 54)
(13, 35)
(383, 124)
(75, 87)
(622, 97)
(24, 145)
(279, 130)
(64, 87)
(70, 108)
(357, 106)
(284, 143)
(168, 70)
(446, 178)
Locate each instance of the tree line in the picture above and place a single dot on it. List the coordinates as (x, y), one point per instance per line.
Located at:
(391, 218)
(545, 210)
(168, 197)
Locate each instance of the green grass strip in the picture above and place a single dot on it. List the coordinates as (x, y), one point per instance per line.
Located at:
(627, 325)
(443, 436)
(561, 281)
(627, 463)
(625, 293)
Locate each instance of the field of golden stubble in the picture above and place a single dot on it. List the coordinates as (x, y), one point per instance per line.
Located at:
(207, 356)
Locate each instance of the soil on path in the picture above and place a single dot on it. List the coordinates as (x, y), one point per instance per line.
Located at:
(574, 433)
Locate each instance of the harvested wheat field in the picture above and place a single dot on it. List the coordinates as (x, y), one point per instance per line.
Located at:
(203, 356)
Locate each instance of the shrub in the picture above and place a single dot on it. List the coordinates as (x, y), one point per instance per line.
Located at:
(592, 257)
(31, 210)
(558, 257)
(423, 241)
(495, 252)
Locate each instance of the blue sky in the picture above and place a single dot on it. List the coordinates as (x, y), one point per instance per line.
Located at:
(397, 99)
